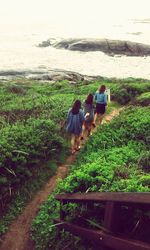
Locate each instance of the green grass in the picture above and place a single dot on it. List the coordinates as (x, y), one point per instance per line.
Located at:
(26, 193)
(113, 159)
(31, 118)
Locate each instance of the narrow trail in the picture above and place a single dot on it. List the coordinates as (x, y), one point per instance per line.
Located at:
(18, 237)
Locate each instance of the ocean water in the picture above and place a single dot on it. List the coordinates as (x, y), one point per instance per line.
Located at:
(19, 51)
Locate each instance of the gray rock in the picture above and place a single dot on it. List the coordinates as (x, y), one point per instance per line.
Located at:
(108, 46)
(53, 75)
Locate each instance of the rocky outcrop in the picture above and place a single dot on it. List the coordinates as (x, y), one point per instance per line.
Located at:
(57, 75)
(108, 46)
(48, 75)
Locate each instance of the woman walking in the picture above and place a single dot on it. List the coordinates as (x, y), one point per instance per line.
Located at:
(74, 125)
(101, 102)
(88, 109)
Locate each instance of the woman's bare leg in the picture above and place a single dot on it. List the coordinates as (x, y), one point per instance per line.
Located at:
(101, 116)
(77, 141)
(90, 129)
(72, 143)
(95, 117)
(83, 132)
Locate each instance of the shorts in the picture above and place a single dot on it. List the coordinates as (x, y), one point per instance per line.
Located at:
(100, 108)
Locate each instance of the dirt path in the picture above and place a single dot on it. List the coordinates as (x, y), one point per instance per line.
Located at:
(18, 237)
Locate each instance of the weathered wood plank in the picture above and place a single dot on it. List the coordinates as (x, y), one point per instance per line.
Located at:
(112, 216)
(138, 198)
(104, 239)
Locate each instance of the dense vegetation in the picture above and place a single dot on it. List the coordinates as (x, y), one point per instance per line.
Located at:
(31, 130)
(33, 140)
(115, 158)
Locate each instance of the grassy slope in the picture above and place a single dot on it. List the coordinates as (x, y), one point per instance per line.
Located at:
(31, 136)
(23, 103)
(116, 158)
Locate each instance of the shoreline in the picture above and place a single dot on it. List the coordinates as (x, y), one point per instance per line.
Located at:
(54, 75)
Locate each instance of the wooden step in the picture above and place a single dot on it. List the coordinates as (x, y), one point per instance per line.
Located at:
(102, 238)
(121, 197)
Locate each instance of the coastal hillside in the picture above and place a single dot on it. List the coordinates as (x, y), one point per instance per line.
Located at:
(34, 142)
(116, 158)
(58, 190)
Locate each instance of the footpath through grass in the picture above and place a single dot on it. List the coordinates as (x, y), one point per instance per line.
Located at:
(31, 118)
(33, 141)
(115, 158)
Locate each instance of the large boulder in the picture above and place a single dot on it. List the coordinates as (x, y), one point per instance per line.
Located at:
(108, 46)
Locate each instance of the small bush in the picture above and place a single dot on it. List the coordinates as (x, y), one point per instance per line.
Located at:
(144, 161)
(143, 99)
(126, 92)
(145, 180)
(122, 96)
(16, 89)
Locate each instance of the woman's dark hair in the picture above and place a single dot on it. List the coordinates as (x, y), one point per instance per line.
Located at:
(102, 89)
(89, 99)
(76, 107)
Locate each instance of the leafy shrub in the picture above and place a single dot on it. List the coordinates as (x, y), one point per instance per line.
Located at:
(136, 88)
(122, 96)
(16, 89)
(21, 145)
(145, 180)
(143, 99)
(144, 161)
(126, 92)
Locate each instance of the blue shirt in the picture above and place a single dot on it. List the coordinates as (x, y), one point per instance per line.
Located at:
(100, 98)
(75, 122)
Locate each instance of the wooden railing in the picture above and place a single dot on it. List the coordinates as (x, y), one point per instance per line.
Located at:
(113, 202)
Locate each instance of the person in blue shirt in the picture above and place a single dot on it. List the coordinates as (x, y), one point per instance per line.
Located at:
(101, 102)
(88, 109)
(74, 123)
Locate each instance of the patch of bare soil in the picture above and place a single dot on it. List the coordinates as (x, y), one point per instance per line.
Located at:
(18, 237)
